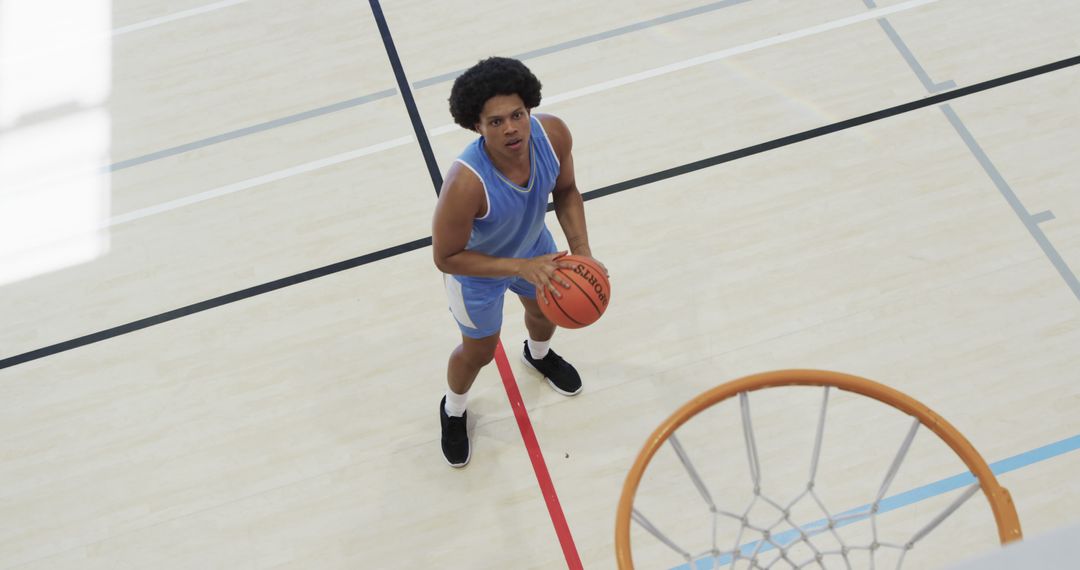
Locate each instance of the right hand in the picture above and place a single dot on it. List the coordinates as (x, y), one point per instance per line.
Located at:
(542, 272)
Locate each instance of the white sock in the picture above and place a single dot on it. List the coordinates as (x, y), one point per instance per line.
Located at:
(455, 403)
(538, 349)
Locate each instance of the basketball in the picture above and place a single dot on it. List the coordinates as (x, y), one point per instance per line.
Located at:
(586, 299)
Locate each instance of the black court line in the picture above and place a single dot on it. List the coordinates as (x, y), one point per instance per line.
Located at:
(591, 195)
(216, 302)
(543, 476)
(407, 96)
(829, 129)
(442, 78)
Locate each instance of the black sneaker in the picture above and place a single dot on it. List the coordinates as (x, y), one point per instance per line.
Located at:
(455, 439)
(558, 372)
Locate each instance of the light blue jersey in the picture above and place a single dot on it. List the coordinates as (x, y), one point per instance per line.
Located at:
(513, 226)
(514, 221)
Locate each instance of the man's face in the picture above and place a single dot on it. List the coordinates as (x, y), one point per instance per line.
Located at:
(504, 122)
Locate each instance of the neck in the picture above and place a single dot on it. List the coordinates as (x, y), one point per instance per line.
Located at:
(505, 162)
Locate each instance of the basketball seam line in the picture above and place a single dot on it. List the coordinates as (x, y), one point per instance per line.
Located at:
(555, 300)
(588, 296)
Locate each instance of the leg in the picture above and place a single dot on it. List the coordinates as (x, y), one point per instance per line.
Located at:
(559, 373)
(539, 327)
(478, 312)
(466, 361)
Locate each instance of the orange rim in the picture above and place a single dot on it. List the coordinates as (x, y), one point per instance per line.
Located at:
(1008, 523)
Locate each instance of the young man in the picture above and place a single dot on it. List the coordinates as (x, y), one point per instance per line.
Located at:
(489, 235)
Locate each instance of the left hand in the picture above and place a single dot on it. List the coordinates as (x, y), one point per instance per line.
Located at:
(598, 262)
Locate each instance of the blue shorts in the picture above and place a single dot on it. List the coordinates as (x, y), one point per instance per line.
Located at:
(477, 302)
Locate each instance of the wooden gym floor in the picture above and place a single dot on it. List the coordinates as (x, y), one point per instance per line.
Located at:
(294, 425)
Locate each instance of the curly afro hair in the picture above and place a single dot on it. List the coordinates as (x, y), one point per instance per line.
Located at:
(488, 78)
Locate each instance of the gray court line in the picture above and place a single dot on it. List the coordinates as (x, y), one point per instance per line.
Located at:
(1030, 221)
(418, 85)
(909, 57)
(594, 38)
(333, 108)
(1044, 216)
(914, 63)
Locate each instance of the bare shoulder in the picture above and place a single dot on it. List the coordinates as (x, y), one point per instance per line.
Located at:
(557, 131)
(462, 190)
(461, 181)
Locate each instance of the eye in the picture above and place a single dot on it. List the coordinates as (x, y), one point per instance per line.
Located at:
(517, 114)
(495, 122)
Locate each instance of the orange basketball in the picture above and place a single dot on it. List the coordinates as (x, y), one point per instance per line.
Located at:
(586, 299)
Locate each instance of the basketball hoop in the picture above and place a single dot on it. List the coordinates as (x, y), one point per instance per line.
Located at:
(1008, 524)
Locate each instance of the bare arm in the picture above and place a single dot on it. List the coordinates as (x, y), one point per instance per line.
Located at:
(460, 201)
(569, 206)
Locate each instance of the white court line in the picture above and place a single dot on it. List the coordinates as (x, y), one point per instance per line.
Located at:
(737, 50)
(590, 90)
(174, 17)
(257, 181)
(106, 37)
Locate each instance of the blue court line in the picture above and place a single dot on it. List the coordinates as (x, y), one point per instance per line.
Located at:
(913, 496)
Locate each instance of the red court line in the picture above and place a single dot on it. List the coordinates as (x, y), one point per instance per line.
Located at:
(573, 561)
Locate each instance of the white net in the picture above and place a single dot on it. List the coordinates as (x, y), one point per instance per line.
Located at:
(796, 529)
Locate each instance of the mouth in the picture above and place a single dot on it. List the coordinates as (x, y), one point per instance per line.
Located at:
(515, 144)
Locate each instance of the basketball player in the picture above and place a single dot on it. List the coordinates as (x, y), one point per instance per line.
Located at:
(489, 235)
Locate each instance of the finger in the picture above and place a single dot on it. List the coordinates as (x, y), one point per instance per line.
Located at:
(543, 297)
(559, 254)
(555, 276)
(602, 266)
(553, 283)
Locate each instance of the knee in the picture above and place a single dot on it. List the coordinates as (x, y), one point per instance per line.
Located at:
(478, 357)
(535, 314)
